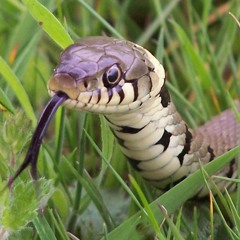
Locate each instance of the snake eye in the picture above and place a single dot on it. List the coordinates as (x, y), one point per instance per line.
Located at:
(112, 76)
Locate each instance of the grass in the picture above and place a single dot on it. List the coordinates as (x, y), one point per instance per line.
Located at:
(87, 190)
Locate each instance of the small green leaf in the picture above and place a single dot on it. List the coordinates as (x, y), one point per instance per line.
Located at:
(20, 209)
(22, 205)
(24, 233)
(15, 134)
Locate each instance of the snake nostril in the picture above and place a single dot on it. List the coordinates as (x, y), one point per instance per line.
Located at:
(85, 84)
(88, 84)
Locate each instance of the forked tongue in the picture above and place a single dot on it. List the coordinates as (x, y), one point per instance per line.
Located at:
(33, 150)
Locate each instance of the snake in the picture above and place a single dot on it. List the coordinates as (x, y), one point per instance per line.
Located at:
(127, 85)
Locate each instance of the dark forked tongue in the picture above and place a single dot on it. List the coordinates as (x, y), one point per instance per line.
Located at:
(33, 150)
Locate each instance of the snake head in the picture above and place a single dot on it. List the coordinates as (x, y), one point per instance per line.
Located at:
(106, 75)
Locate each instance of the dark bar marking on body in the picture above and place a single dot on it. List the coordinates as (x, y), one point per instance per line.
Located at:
(212, 155)
(110, 94)
(165, 97)
(231, 168)
(131, 130)
(98, 95)
(187, 145)
(135, 90)
(120, 93)
(134, 163)
(165, 139)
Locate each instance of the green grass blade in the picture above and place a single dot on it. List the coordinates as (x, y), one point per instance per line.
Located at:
(22, 60)
(162, 16)
(102, 20)
(124, 185)
(176, 196)
(149, 212)
(19, 39)
(196, 68)
(160, 46)
(59, 136)
(94, 194)
(205, 13)
(173, 227)
(107, 147)
(6, 102)
(184, 101)
(18, 89)
(58, 224)
(213, 188)
(234, 212)
(49, 23)
(43, 228)
(227, 35)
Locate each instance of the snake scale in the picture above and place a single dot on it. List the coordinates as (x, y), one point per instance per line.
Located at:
(126, 83)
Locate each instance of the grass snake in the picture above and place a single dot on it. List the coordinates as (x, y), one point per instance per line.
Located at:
(126, 83)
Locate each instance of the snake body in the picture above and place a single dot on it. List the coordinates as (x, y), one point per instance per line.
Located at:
(126, 83)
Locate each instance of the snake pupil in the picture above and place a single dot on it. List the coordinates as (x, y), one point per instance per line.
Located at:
(111, 76)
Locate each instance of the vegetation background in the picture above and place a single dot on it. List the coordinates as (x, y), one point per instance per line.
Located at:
(85, 190)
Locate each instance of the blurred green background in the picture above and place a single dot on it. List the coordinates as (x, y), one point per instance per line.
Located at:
(198, 44)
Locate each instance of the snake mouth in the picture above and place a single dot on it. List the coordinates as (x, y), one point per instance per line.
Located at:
(72, 85)
(33, 150)
(64, 82)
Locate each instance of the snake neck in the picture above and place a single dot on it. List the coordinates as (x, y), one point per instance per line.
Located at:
(158, 143)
